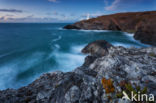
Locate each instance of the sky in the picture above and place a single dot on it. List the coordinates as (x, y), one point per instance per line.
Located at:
(62, 11)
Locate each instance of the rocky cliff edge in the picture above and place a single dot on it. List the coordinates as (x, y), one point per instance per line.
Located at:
(101, 79)
(142, 24)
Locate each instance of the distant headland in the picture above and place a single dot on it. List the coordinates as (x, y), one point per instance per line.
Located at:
(142, 24)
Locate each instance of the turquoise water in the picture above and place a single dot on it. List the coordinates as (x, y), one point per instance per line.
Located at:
(29, 50)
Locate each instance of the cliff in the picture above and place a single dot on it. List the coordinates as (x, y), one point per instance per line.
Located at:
(106, 72)
(142, 24)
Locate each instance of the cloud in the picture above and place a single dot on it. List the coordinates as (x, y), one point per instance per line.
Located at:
(63, 15)
(72, 14)
(56, 14)
(54, 1)
(113, 6)
(11, 10)
(9, 15)
(30, 18)
(91, 15)
(2, 18)
(106, 2)
(120, 4)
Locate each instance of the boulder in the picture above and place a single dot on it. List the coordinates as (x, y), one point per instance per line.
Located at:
(97, 48)
(71, 27)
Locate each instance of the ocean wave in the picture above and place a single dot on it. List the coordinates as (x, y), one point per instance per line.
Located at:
(124, 45)
(6, 54)
(57, 46)
(95, 30)
(67, 61)
(61, 28)
(83, 30)
(7, 75)
(58, 38)
(10, 70)
(77, 49)
(131, 37)
(128, 34)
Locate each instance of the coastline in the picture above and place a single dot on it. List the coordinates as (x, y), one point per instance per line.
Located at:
(45, 55)
(84, 51)
(142, 24)
(128, 34)
(117, 64)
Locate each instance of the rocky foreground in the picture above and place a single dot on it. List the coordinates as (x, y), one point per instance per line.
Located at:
(106, 72)
(142, 24)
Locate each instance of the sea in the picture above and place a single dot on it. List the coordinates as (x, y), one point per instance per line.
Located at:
(28, 50)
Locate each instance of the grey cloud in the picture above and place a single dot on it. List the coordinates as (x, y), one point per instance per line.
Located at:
(91, 15)
(9, 15)
(54, 1)
(30, 16)
(55, 13)
(72, 14)
(11, 10)
(120, 4)
(2, 18)
(29, 19)
(63, 15)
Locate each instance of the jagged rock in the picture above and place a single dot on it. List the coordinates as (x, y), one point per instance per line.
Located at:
(98, 48)
(73, 95)
(71, 27)
(146, 31)
(83, 85)
(89, 60)
(142, 24)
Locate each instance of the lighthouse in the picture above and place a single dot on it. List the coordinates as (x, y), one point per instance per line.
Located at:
(88, 16)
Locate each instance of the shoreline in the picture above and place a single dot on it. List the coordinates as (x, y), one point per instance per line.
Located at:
(130, 35)
(141, 23)
(84, 82)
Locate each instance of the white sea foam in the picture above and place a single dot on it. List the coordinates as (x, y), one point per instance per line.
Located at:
(83, 30)
(3, 55)
(124, 45)
(131, 37)
(58, 38)
(95, 30)
(68, 61)
(7, 74)
(10, 70)
(61, 28)
(57, 46)
(77, 49)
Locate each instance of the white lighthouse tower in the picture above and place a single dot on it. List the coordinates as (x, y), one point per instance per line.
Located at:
(88, 16)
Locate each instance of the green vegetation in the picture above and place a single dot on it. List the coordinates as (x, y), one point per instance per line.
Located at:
(152, 54)
(126, 87)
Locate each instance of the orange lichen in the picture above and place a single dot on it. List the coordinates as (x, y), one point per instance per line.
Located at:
(108, 85)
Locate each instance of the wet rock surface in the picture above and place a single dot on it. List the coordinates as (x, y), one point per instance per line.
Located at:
(83, 85)
(97, 48)
(142, 24)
